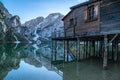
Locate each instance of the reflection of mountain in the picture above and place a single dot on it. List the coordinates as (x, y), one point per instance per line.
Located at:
(32, 60)
(12, 54)
(9, 59)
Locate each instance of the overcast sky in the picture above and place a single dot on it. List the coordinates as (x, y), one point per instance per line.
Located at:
(29, 9)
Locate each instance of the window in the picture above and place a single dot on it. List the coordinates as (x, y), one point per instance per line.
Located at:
(91, 13)
(71, 22)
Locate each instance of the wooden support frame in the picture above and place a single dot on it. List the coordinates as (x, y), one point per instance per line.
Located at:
(78, 49)
(93, 49)
(115, 55)
(64, 49)
(67, 50)
(105, 57)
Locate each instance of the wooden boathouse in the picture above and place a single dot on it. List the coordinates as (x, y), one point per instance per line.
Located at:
(95, 22)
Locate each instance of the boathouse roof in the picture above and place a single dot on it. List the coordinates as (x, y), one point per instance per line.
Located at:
(80, 5)
(83, 4)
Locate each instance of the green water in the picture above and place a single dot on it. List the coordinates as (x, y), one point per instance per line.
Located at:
(33, 62)
(27, 62)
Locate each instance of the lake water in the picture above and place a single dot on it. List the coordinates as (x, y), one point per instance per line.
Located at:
(33, 62)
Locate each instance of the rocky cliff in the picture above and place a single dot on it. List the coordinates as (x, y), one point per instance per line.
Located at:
(10, 27)
(44, 27)
(39, 29)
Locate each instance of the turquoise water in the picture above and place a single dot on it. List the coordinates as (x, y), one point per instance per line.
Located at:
(33, 62)
(27, 62)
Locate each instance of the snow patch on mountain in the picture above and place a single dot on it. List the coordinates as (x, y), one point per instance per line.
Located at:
(43, 29)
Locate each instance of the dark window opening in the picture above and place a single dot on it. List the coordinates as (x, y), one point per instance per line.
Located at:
(91, 13)
(71, 22)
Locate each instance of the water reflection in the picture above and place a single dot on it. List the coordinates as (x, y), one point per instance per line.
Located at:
(27, 62)
(34, 62)
(86, 69)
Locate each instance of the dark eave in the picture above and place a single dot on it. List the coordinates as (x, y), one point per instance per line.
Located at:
(80, 5)
(83, 4)
(67, 15)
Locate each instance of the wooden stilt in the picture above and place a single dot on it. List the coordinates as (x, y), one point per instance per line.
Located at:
(67, 51)
(112, 50)
(101, 49)
(84, 53)
(97, 49)
(86, 49)
(52, 51)
(89, 46)
(78, 49)
(115, 50)
(93, 49)
(76, 55)
(55, 50)
(105, 52)
(64, 49)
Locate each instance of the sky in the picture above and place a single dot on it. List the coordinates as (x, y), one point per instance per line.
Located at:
(30, 9)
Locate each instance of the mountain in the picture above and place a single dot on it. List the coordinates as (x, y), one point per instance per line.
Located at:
(35, 30)
(43, 29)
(33, 22)
(10, 27)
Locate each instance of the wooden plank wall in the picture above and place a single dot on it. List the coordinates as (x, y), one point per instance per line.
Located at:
(81, 26)
(85, 26)
(110, 16)
(108, 21)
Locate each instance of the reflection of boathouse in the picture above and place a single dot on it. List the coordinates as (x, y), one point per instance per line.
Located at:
(95, 24)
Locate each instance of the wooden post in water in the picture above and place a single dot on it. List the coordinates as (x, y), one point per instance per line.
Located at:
(84, 54)
(101, 49)
(78, 48)
(67, 50)
(112, 50)
(55, 50)
(105, 57)
(93, 49)
(52, 51)
(97, 49)
(115, 50)
(86, 50)
(89, 46)
(64, 49)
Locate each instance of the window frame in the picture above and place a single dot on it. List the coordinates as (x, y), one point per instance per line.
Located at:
(71, 22)
(91, 15)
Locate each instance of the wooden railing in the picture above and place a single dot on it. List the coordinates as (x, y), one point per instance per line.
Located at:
(57, 34)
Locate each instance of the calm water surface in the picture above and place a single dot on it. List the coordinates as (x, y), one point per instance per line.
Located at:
(33, 62)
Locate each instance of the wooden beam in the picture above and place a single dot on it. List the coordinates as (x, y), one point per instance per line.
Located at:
(64, 49)
(52, 50)
(67, 50)
(115, 50)
(93, 49)
(78, 49)
(55, 50)
(105, 57)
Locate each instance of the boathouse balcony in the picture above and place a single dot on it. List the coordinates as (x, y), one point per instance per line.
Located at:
(58, 34)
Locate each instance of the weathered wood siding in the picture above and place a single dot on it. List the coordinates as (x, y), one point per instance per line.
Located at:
(107, 22)
(81, 25)
(68, 28)
(110, 16)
